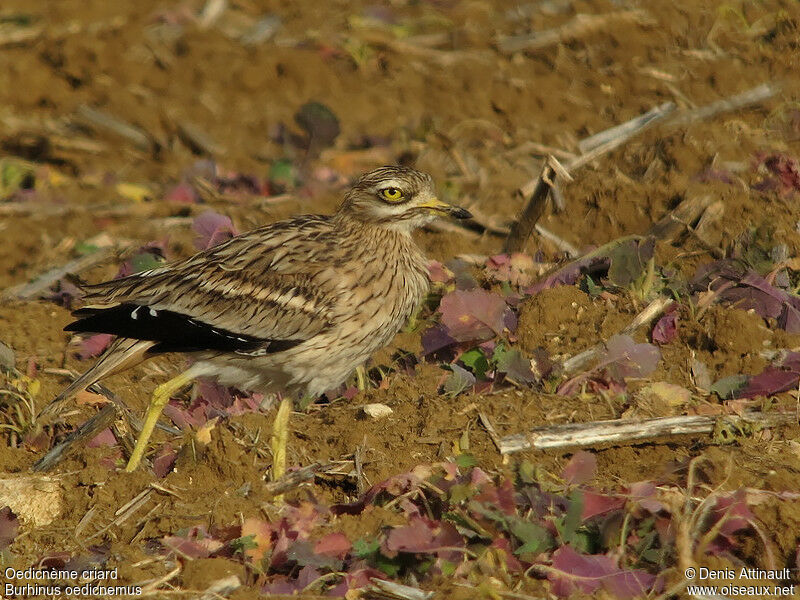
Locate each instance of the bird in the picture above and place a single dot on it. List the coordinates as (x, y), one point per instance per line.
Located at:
(293, 307)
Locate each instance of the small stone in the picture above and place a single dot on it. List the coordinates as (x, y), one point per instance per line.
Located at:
(376, 411)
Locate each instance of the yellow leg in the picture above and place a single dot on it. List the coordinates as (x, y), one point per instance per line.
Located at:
(161, 396)
(361, 378)
(280, 437)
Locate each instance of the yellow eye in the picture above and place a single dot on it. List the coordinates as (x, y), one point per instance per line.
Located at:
(391, 194)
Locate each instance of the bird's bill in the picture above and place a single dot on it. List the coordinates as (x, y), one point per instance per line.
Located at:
(437, 206)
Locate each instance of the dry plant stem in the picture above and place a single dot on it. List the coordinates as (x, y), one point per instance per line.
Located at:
(620, 432)
(110, 123)
(561, 243)
(650, 312)
(388, 590)
(296, 478)
(689, 211)
(487, 424)
(579, 26)
(765, 91)
(521, 228)
(626, 129)
(538, 190)
(94, 425)
(198, 140)
(33, 289)
(442, 58)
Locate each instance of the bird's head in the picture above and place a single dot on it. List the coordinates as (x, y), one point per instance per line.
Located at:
(399, 198)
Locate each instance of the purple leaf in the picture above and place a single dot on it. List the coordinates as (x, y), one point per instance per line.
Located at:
(773, 379)
(165, 461)
(515, 269)
(580, 468)
(422, 535)
(439, 273)
(104, 438)
(183, 193)
(572, 572)
(599, 504)
(626, 358)
(666, 329)
(750, 292)
(786, 171)
(212, 229)
(623, 259)
(9, 527)
(729, 515)
(333, 544)
(195, 543)
(94, 345)
(473, 315)
(436, 338)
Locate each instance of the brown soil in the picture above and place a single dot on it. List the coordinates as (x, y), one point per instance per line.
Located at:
(142, 62)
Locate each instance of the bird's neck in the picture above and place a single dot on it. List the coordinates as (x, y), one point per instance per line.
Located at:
(347, 223)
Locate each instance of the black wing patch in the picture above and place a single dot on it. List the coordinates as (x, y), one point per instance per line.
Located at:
(173, 331)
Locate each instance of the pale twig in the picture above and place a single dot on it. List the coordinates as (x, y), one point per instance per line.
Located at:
(442, 58)
(110, 123)
(560, 242)
(650, 312)
(380, 588)
(19, 36)
(765, 91)
(581, 25)
(534, 209)
(487, 424)
(617, 432)
(35, 288)
(94, 425)
(197, 140)
(626, 129)
(537, 149)
(537, 190)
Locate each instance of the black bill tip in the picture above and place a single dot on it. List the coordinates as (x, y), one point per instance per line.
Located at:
(460, 213)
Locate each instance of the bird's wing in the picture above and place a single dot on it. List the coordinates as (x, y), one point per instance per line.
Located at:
(258, 291)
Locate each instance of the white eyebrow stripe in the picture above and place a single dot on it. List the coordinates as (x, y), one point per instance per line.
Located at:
(388, 183)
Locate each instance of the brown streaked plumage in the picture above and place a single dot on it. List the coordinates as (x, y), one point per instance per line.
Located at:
(291, 307)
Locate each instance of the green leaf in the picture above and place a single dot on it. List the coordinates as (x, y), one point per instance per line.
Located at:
(84, 248)
(365, 548)
(390, 566)
(475, 361)
(527, 472)
(282, 174)
(592, 288)
(567, 526)
(465, 461)
(515, 366)
(447, 567)
(726, 387)
(534, 537)
(144, 261)
(241, 544)
(461, 491)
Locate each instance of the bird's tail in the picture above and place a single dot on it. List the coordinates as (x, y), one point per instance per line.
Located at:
(122, 354)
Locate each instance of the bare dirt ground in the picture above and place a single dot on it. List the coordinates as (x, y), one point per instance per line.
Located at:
(210, 99)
